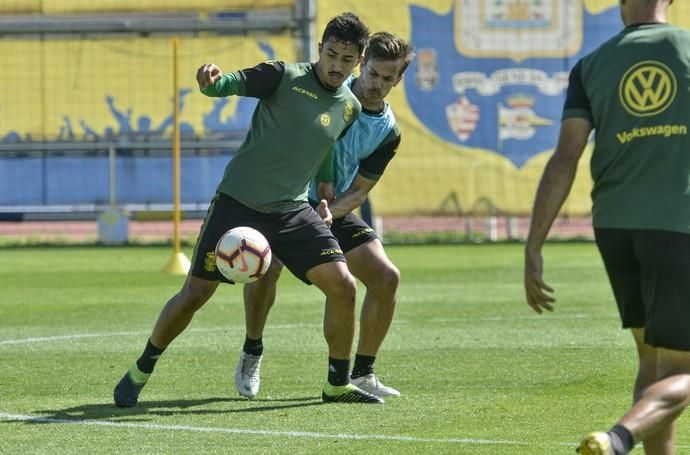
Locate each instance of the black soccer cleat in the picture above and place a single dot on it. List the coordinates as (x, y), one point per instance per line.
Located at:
(126, 393)
(348, 394)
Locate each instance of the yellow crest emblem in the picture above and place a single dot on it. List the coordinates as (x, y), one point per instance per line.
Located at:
(210, 261)
(325, 119)
(347, 113)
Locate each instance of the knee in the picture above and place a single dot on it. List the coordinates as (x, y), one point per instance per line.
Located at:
(391, 277)
(674, 374)
(344, 288)
(678, 391)
(387, 281)
(274, 271)
(191, 298)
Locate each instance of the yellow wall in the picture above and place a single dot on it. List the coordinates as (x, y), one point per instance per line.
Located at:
(105, 6)
(49, 83)
(54, 79)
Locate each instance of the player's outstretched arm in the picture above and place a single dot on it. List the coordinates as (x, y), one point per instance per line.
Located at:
(213, 82)
(553, 189)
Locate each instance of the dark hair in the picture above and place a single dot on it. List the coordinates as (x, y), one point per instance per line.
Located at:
(347, 28)
(388, 46)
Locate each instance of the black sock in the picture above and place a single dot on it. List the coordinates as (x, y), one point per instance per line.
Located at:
(364, 365)
(253, 347)
(622, 440)
(338, 371)
(148, 358)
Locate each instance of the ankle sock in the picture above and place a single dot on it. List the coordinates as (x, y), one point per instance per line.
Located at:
(253, 347)
(338, 370)
(364, 365)
(149, 357)
(622, 440)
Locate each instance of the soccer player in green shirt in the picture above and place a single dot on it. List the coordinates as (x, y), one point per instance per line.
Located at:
(360, 159)
(634, 91)
(303, 108)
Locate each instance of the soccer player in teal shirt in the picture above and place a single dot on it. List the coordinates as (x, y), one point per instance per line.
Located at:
(634, 91)
(303, 108)
(360, 158)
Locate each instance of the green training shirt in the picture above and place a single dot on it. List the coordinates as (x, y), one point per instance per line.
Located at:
(635, 90)
(296, 121)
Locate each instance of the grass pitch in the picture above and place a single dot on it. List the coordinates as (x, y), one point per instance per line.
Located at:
(480, 373)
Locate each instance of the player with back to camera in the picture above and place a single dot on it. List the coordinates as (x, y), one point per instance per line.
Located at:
(303, 108)
(634, 91)
(360, 158)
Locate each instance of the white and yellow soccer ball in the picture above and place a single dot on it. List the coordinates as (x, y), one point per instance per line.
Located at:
(243, 255)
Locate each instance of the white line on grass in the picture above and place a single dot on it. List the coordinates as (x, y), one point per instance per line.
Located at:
(281, 326)
(139, 332)
(249, 431)
(66, 337)
(292, 434)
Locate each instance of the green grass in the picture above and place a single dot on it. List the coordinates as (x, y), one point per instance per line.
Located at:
(480, 373)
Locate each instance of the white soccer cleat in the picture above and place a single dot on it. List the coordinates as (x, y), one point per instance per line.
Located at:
(372, 385)
(247, 375)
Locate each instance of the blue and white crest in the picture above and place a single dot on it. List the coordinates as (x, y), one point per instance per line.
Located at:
(500, 82)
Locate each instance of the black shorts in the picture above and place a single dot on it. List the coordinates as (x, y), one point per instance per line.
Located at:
(649, 271)
(351, 232)
(299, 238)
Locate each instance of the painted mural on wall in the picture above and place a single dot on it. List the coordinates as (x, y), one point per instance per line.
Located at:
(479, 108)
(106, 111)
(500, 81)
(117, 89)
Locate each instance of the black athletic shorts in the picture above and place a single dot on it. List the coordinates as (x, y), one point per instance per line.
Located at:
(299, 238)
(649, 271)
(350, 231)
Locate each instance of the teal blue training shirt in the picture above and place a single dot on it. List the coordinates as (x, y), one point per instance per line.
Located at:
(366, 148)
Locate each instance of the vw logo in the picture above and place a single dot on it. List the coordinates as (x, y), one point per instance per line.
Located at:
(647, 88)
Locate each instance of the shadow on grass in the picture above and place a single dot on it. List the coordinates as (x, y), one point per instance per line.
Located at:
(168, 408)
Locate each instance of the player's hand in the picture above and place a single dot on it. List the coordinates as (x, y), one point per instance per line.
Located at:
(536, 291)
(326, 190)
(324, 212)
(208, 74)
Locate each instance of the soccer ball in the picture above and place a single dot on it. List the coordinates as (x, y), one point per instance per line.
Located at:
(243, 255)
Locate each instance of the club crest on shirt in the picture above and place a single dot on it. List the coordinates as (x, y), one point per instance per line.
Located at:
(325, 119)
(347, 113)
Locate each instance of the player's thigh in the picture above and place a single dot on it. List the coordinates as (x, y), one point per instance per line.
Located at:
(665, 282)
(370, 263)
(224, 213)
(671, 362)
(302, 241)
(623, 269)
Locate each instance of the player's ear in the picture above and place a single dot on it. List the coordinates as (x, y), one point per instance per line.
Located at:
(319, 47)
(360, 60)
